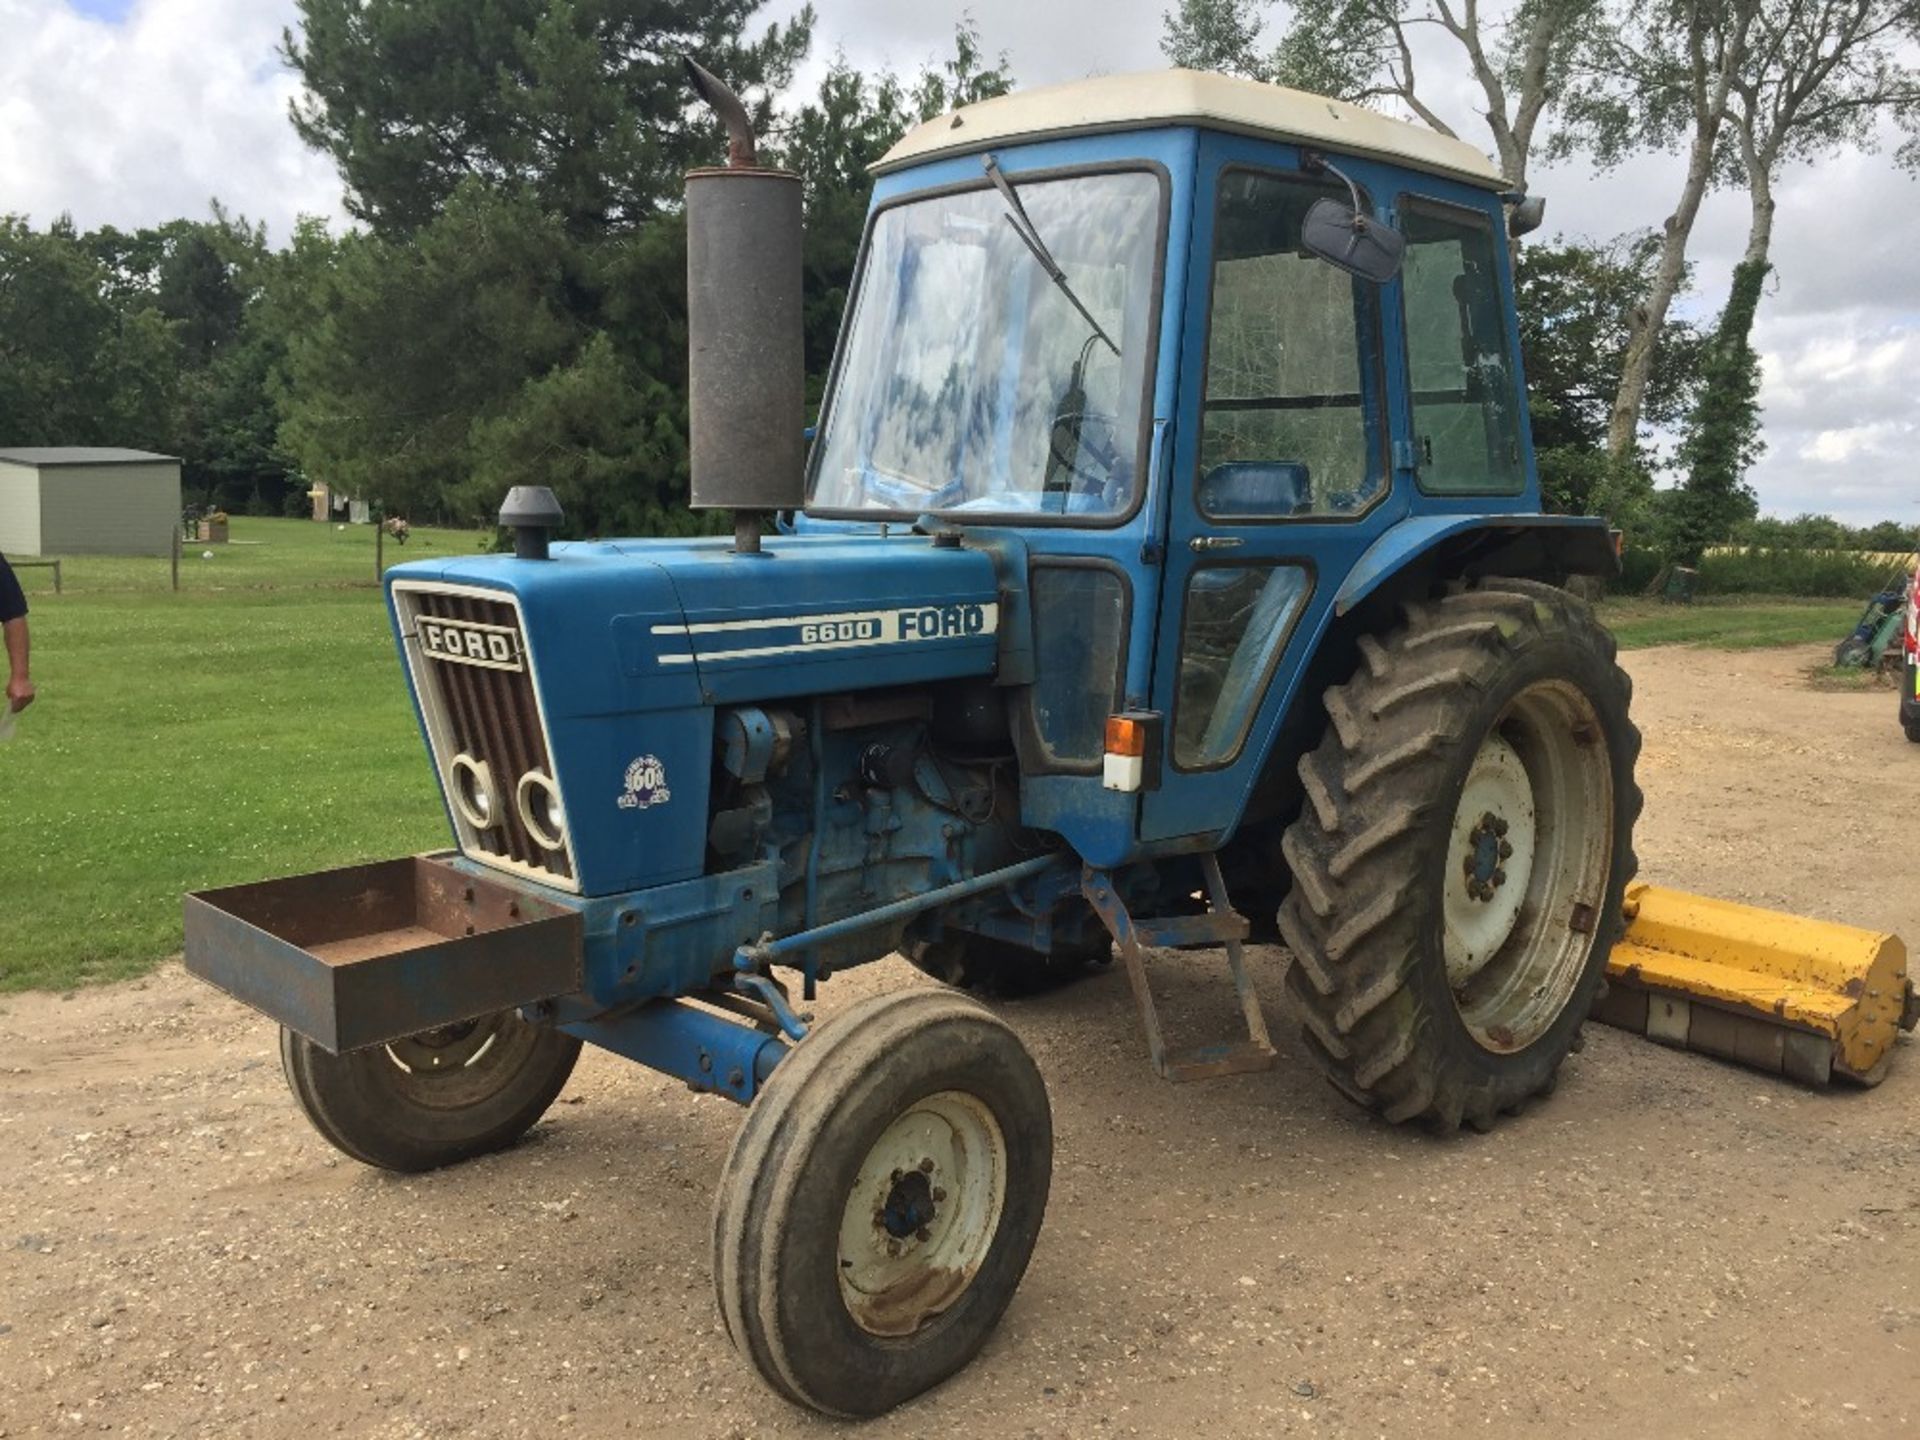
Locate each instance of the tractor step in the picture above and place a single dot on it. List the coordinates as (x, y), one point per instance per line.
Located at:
(1217, 926)
(1191, 932)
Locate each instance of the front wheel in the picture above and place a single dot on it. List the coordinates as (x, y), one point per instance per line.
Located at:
(881, 1201)
(1461, 858)
(435, 1098)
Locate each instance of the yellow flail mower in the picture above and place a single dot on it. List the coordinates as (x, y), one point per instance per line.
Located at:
(1807, 999)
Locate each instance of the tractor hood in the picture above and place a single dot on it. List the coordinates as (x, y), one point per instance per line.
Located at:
(635, 625)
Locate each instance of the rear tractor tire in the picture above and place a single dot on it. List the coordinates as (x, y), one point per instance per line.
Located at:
(997, 970)
(882, 1200)
(432, 1099)
(1460, 858)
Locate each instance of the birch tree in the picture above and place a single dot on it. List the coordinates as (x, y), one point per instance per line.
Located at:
(1820, 76)
(1363, 50)
(1664, 75)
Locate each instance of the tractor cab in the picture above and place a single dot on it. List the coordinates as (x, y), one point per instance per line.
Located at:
(1093, 321)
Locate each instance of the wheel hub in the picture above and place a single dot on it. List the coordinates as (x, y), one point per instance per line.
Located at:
(1527, 859)
(912, 1203)
(1491, 859)
(1487, 848)
(922, 1213)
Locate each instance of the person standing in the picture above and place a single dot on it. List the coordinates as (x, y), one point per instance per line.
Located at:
(13, 629)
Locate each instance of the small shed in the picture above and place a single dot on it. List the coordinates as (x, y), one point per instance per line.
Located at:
(87, 500)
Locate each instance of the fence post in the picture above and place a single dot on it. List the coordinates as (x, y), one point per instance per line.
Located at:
(176, 557)
(379, 546)
(56, 577)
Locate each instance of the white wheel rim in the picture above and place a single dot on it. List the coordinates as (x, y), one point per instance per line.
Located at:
(1489, 859)
(922, 1214)
(1528, 864)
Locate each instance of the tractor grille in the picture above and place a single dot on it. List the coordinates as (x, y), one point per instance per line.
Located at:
(475, 681)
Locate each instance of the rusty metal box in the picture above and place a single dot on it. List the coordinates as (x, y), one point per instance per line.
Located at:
(370, 953)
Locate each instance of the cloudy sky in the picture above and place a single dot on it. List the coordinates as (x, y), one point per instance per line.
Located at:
(128, 112)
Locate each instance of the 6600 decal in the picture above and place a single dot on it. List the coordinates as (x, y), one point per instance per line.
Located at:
(864, 629)
(716, 640)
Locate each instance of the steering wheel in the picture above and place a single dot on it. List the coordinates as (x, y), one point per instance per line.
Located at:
(1106, 454)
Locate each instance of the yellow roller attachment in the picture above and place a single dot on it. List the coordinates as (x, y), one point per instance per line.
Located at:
(1803, 998)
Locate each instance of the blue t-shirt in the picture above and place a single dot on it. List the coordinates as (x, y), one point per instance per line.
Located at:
(13, 600)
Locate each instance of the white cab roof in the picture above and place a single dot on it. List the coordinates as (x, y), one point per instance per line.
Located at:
(1191, 97)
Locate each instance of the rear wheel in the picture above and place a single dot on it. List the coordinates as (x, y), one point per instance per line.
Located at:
(881, 1201)
(1460, 861)
(434, 1098)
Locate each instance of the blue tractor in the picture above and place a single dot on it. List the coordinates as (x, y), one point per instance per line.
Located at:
(1167, 570)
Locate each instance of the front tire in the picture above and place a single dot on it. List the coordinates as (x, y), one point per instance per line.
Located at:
(432, 1099)
(1460, 861)
(881, 1201)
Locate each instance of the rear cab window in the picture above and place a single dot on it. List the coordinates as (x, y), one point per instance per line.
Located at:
(1465, 384)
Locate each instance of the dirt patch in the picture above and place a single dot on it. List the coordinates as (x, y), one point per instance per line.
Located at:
(1668, 1246)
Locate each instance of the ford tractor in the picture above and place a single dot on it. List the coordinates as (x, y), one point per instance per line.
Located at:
(1166, 570)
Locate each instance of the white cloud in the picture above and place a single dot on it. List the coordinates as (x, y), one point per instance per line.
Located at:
(135, 122)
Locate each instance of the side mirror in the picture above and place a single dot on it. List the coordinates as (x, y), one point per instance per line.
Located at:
(1343, 237)
(1527, 214)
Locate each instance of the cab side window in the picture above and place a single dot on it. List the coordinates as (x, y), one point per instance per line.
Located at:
(1292, 422)
(1466, 413)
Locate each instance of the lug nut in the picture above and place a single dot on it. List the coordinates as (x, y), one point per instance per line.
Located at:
(898, 1175)
(938, 1195)
(926, 1167)
(1506, 849)
(1499, 827)
(1499, 877)
(923, 1233)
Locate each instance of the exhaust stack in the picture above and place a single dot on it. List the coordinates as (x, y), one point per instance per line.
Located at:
(745, 362)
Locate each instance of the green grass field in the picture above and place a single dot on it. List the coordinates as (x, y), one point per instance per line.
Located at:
(1731, 622)
(253, 724)
(256, 724)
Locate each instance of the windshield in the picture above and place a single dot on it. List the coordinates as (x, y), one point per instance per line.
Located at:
(970, 382)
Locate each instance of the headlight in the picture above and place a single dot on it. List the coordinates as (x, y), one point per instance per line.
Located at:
(470, 784)
(538, 800)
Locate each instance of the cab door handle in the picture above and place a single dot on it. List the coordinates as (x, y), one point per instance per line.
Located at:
(1201, 543)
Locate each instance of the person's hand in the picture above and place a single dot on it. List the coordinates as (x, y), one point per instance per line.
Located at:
(19, 694)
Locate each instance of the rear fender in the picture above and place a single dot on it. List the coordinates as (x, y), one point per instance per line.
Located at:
(1429, 548)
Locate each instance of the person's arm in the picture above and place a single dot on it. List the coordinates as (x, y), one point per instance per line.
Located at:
(19, 686)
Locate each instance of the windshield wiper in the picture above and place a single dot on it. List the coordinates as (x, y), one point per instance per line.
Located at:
(1023, 227)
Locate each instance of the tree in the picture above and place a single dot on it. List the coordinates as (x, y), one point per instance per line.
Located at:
(1724, 438)
(580, 103)
(1573, 301)
(76, 367)
(1219, 35)
(515, 313)
(1662, 74)
(1361, 50)
(1819, 73)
